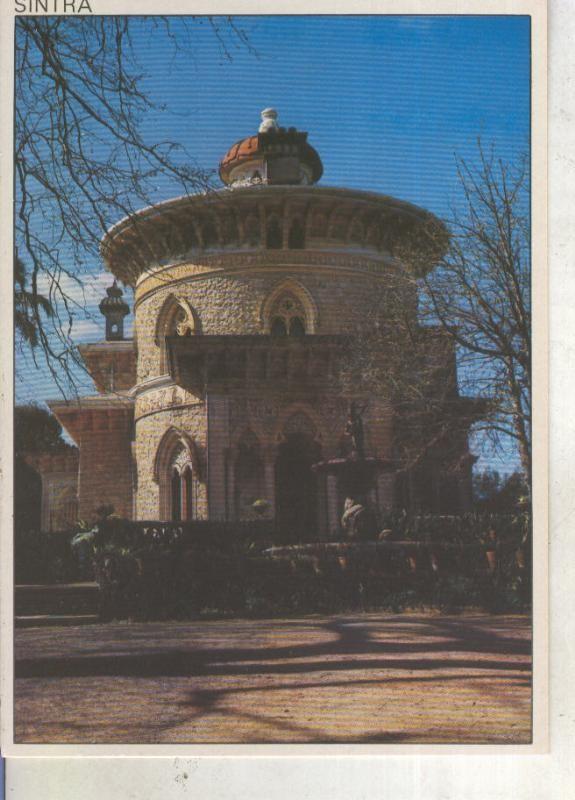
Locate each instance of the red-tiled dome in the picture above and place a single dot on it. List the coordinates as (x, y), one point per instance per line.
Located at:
(244, 150)
(269, 145)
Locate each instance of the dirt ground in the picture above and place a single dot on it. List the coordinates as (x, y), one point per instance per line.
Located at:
(364, 678)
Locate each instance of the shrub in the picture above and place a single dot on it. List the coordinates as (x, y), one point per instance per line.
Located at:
(170, 570)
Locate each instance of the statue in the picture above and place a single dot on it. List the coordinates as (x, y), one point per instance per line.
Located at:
(354, 427)
(357, 520)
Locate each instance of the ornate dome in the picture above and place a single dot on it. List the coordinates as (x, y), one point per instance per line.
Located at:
(113, 302)
(274, 155)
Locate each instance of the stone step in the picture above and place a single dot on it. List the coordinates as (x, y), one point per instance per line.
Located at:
(70, 599)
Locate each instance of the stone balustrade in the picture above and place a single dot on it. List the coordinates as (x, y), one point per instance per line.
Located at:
(223, 364)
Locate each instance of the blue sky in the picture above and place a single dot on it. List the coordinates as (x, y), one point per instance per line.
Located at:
(388, 102)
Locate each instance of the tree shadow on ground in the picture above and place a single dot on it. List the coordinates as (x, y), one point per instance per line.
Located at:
(445, 646)
(350, 640)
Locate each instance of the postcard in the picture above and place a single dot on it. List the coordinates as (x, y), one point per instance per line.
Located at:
(275, 458)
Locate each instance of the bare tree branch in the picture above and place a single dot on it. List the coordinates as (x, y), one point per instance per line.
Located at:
(81, 158)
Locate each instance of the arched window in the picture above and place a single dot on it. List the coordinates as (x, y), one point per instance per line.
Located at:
(278, 327)
(176, 485)
(289, 310)
(187, 493)
(209, 234)
(287, 316)
(230, 230)
(176, 318)
(319, 224)
(181, 487)
(296, 238)
(296, 327)
(252, 230)
(274, 235)
(177, 470)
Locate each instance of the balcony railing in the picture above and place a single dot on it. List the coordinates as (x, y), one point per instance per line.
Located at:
(228, 363)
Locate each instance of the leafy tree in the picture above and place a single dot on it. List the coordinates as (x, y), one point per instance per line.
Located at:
(28, 306)
(36, 430)
(495, 493)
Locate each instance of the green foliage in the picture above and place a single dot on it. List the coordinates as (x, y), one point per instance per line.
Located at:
(28, 306)
(36, 430)
(44, 558)
(157, 577)
(499, 494)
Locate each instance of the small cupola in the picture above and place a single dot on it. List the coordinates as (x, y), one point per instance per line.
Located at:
(273, 156)
(114, 309)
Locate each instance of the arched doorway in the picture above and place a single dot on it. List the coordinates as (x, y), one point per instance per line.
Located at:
(296, 487)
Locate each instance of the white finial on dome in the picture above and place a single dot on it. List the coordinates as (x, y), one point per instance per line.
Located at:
(269, 120)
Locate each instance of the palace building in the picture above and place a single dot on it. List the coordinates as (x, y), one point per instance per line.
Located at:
(244, 298)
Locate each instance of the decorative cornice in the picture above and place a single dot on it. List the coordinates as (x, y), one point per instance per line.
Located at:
(230, 219)
(96, 403)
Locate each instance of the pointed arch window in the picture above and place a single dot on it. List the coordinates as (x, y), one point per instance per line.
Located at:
(209, 234)
(288, 315)
(296, 327)
(181, 489)
(274, 234)
(176, 485)
(177, 471)
(296, 238)
(176, 318)
(278, 327)
(187, 493)
(289, 310)
(252, 230)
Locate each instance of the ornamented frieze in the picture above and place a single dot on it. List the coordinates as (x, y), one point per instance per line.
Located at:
(245, 218)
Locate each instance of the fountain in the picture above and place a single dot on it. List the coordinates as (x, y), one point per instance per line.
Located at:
(356, 476)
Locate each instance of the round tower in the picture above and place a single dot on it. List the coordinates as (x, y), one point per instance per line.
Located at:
(243, 298)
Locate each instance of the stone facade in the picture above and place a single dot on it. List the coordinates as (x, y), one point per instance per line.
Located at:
(242, 298)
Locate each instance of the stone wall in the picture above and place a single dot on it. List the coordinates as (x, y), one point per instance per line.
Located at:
(105, 473)
(150, 431)
(267, 421)
(232, 304)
